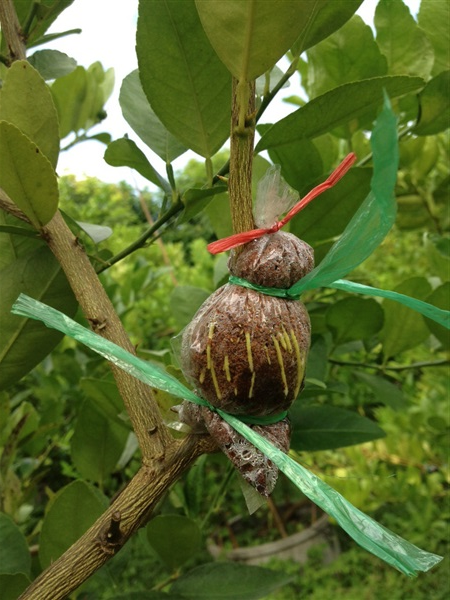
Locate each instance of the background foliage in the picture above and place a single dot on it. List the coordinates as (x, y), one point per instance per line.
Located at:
(376, 372)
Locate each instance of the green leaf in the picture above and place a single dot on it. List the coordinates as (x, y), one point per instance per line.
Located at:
(27, 103)
(354, 318)
(196, 200)
(52, 64)
(80, 96)
(46, 13)
(174, 538)
(404, 328)
(327, 217)
(435, 106)
(97, 444)
(434, 18)
(97, 233)
(72, 511)
(327, 427)
(27, 176)
(403, 43)
(14, 554)
(350, 54)
(440, 297)
(218, 212)
(105, 395)
(229, 581)
(146, 596)
(125, 153)
(24, 343)
(329, 17)
(13, 585)
(250, 36)
(384, 391)
(298, 173)
(185, 300)
(141, 118)
(186, 84)
(357, 101)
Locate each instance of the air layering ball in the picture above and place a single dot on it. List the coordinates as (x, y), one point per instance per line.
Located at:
(245, 351)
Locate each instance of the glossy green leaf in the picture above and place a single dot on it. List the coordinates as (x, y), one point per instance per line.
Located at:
(435, 106)
(35, 271)
(218, 212)
(434, 17)
(250, 36)
(185, 300)
(174, 538)
(72, 511)
(125, 153)
(15, 246)
(300, 163)
(403, 43)
(438, 251)
(106, 398)
(195, 200)
(327, 427)
(186, 84)
(52, 64)
(141, 118)
(97, 444)
(384, 391)
(26, 102)
(350, 54)
(229, 581)
(440, 297)
(327, 216)
(14, 554)
(329, 17)
(354, 318)
(350, 102)
(13, 585)
(403, 328)
(27, 176)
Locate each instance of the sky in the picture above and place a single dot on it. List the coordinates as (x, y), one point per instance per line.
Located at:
(108, 35)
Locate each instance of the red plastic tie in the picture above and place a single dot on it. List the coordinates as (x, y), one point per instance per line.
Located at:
(247, 236)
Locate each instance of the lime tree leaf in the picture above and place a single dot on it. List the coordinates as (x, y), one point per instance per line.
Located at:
(125, 153)
(298, 173)
(434, 18)
(24, 342)
(356, 101)
(440, 297)
(97, 233)
(27, 176)
(435, 105)
(26, 102)
(195, 200)
(186, 84)
(97, 443)
(350, 54)
(218, 212)
(403, 43)
(229, 581)
(106, 397)
(354, 318)
(329, 17)
(13, 585)
(14, 554)
(328, 427)
(185, 300)
(72, 511)
(52, 64)
(327, 216)
(384, 391)
(250, 36)
(174, 538)
(141, 118)
(45, 13)
(404, 328)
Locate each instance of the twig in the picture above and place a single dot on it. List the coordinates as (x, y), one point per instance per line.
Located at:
(417, 365)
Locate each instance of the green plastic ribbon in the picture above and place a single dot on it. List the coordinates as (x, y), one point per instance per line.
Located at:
(372, 536)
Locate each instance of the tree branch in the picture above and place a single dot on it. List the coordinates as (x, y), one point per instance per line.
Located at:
(11, 31)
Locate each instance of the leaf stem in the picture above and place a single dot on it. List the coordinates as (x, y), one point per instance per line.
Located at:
(417, 365)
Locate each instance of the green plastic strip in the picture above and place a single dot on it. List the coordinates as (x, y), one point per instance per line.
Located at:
(427, 310)
(369, 534)
(365, 531)
(374, 218)
(269, 291)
